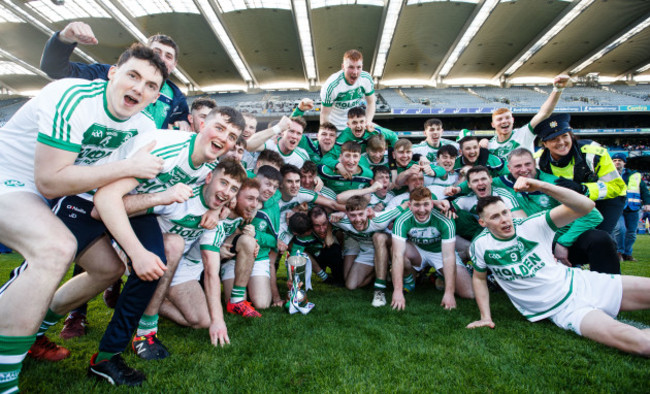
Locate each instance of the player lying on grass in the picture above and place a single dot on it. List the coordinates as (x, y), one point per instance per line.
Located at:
(519, 253)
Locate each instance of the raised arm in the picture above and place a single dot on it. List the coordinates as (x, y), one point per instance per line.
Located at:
(559, 83)
(573, 206)
(370, 108)
(256, 142)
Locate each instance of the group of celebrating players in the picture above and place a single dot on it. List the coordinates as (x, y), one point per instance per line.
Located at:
(217, 205)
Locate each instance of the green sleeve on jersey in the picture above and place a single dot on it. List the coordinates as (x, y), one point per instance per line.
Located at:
(331, 159)
(549, 221)
(212, 248)
(567, 235)
(297, 112)
(389, 135)
(58, 144)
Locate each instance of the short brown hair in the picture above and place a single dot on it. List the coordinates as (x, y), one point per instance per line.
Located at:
(432, 122)
(141, 52)
(232, 168)
(476, 170)
(203, 101)
(351, 146)
(353, 55)
(309, 167)
(420, 193)
(356, 203)
(300, 120)
(403, 143)
(485, 201)
(376, 143)
(165, 40)
(250, 183)
(271, 156)
(328, 126)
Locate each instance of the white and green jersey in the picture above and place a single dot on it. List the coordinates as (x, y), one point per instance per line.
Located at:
(365, 161)
(431, 152)
(375, 199)
(379, 223)
(210, 240)
(175, 148)
(451, 179)
(341, 96)
(304, 195)
(438, 193)
(522, 137)
(428, 235)
(183, 218)
(249, 159)
(230, 225)
(327, 193)
(70, 115)
(297, 157)
(524, 266)
(468, 202)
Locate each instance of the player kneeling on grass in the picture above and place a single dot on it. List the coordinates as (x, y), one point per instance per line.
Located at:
(424, 237)
(519, 253)
(366, 245)
(179, 211)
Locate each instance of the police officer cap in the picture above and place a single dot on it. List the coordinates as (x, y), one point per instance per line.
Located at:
(555, 125)
(620, 156)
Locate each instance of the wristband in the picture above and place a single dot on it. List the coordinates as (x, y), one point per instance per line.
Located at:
(556, 89)
(276, 129)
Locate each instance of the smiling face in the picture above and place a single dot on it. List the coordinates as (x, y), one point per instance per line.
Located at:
(237, 152)
(290, 185)
(166, 53)
(247, 201)
(415, 181)
(523, 166)
(217, 137)
(470, 151)
(559, 146)
(403, 156)
(498, 219)
(291, 138)
(268, 187)
(352, 70)
(358, 219)
(350, 160)
(131, 87)
(446, 161)
(251, 126)
(375, 157)
(307, 179)
(433, 134)
(357, 125)
(480, 183)
(421, 209)
(219, 189)
(320, 225)
(326, 139)
(503, 124)
(197, 118)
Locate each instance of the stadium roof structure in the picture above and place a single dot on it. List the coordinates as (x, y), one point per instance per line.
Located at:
(296, 44)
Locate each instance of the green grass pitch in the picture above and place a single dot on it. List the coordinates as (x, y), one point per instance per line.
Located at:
(346, 345)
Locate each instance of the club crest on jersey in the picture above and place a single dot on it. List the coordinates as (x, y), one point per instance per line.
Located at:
(13, 183)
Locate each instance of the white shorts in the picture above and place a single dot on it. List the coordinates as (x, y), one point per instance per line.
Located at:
(12, 184)
(433, 259)
(365, 253)
(186, 271)
(591, 291)
(260, 268)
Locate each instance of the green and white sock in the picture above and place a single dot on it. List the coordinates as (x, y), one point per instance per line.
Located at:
(12, 353)
(323, 275)
(101, 356)
(50, 319)
(147, 325)
(238, 294)
(409, 282)
(380, 284)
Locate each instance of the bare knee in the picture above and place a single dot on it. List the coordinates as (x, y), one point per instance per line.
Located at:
(174, 247)
(200, 321)
(380, 239)
(54, 254)
(246, 243)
